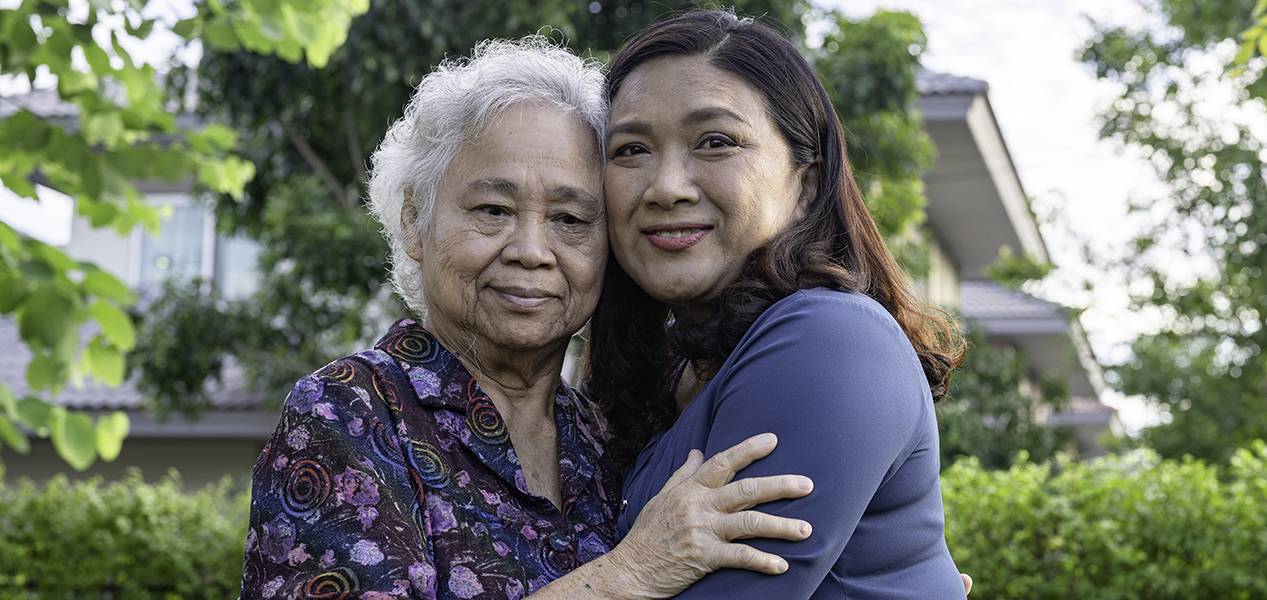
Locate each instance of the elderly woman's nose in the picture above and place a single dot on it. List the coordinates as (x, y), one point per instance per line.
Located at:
(529, 245)
(671, 183)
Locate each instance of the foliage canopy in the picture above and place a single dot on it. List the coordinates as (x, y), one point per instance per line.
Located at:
(1192, 111)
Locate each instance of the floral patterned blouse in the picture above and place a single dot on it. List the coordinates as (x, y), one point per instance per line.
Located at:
(391, 475)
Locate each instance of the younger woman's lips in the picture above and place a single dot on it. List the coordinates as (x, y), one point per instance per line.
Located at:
(676, 239)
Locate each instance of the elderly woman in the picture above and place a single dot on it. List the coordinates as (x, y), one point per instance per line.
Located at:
(753, 293)
(451, 461)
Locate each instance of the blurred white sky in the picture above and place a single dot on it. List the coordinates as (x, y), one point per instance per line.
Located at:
(1042, 97)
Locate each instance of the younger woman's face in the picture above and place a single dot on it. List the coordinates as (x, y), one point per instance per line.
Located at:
(697, 177)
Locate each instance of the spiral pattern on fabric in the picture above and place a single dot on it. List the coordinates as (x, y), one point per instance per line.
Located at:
(331, 585)
(558, 554)
(340, 370)
(307, 486)
(384, 445)
(484, 420)
(412, 345)
(428, 464)
(386, 389)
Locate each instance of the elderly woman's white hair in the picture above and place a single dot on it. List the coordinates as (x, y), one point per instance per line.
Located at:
(452, 104)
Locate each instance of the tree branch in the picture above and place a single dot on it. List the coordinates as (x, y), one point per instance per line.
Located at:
(354, 148)
(314, 161)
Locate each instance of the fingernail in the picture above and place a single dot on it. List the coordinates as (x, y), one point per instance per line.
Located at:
(804, 483)
(767, 439)
(806, 529)
(782, 565)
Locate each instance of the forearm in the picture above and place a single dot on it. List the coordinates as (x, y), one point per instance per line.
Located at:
(608, 577)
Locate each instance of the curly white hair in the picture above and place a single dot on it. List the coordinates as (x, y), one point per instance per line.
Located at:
(452, 105)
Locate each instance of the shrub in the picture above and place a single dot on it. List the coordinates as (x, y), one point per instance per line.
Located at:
(1122, 528)
(125, 540)
(1131, 527)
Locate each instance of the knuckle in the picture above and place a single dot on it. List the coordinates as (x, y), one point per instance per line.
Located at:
(750, 522)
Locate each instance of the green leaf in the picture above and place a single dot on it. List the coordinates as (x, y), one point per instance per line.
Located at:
(14, 438)
(104, 362)
(47, 317)
(74, 438)
(115, 324)
(45, 371)
(37, 270)
(105, 285)
(188, 28)
(142, 31)
(8, 403)
(33, 412)
(13, 290)
(111, 431)
(220, 35)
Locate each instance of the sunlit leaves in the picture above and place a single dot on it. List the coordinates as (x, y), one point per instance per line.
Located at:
(289, 29)
(74, 438)
(117, 132)
(111, 431)
(1203, 365)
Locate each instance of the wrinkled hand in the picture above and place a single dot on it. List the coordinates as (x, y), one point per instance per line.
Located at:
(687, 530)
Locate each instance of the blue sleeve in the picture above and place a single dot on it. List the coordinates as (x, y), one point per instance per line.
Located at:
(837, 380)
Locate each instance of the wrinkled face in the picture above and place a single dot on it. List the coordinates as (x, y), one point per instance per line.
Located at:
(698, 176)
(515, 253)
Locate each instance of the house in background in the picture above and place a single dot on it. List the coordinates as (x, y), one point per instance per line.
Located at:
(976, 206)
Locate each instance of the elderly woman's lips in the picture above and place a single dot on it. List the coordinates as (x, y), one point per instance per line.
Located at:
(676, 237)
(523, 297)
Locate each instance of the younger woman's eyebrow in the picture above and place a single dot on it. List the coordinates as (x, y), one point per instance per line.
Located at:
(700, 115)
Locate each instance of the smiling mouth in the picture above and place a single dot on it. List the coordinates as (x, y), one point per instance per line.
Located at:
(676, 238)
(523, 298)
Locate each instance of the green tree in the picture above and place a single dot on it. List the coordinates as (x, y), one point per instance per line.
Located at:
(1174, 72)
(122, 133)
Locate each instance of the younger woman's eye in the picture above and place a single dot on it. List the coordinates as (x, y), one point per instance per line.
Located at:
(717, 142)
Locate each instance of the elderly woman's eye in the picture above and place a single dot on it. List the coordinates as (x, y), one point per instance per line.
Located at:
(493, 210)
(568, 219)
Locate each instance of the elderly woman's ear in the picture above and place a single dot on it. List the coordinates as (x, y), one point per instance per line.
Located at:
(410, 232)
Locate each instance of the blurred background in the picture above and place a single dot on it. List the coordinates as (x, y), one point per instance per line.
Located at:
(1080, 183)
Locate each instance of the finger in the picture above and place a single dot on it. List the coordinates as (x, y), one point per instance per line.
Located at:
(751, 491)
(693, 461)
(967, 583)
(721, 468)
(753, 524)
(742, 556)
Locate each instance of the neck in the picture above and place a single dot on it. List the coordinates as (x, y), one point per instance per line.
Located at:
(520, 381)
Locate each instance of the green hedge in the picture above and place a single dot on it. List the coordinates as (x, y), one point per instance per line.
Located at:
(1132, 527)
(125, 540)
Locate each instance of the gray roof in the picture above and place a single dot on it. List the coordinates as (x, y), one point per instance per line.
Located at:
(44, 103)
(229, 395)
(930, 83)
(986, 300)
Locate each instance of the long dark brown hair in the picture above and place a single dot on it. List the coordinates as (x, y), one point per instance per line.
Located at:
(635, 356)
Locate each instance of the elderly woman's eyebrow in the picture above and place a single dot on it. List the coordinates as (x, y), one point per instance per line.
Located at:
(497, 185)
(510, 189)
